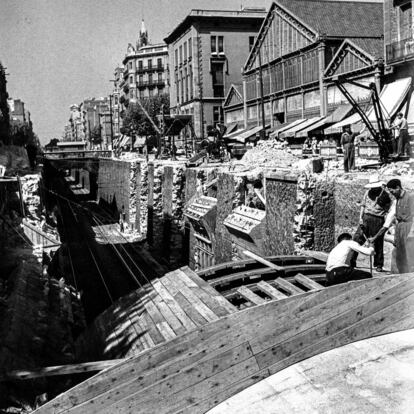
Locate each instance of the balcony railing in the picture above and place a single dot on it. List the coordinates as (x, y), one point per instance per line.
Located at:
(150, 84)
(400, 50)
(150, 68)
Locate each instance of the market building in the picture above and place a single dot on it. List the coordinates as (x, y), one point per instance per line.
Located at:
(301, 49)
(206, 53)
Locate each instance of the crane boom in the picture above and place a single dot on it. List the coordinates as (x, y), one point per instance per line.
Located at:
(382, 135)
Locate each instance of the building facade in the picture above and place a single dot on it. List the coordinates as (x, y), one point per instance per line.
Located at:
(399, 49)
(302, 47)
(145, 68)
(206, 53)
(4, 107)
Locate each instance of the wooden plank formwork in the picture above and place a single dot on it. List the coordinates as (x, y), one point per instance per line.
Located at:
(195, 371)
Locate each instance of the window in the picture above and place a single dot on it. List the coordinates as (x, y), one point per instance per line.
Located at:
(213, 44)
(177, 89)
(181, 54)
(217, 72)
(217, 115)
(159, 63)
(182, 87)
(141, 79)
(176, 57)
(190, 47)
(131, 79)
(220, 44)
(150, 92)
(131, 93)
(141, 93)
(159, 77)
(251, 42)
(186, 84)
(149, 63)
(185, 51)
(130, 64)
(217, 44)
(150, 78)
(191, 82)
(140, 64)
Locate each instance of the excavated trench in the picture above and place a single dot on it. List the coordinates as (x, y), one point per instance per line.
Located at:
(48, 300)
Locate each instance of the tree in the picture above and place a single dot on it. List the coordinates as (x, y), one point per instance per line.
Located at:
(136, 121)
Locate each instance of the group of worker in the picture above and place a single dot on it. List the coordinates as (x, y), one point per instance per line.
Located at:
(400, 143)
(384, 206)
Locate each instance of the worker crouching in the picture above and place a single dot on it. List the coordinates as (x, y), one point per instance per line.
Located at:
(338, 265)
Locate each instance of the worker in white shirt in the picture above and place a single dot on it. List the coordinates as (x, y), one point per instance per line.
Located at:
(401, 125)
(338, 267)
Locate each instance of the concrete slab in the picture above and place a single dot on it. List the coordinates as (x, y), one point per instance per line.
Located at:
(371, 376)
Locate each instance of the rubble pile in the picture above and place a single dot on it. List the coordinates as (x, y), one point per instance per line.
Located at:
(270, 153)
(31, 195)
(398, 168)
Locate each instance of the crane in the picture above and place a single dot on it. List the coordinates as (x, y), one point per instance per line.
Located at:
(381, 136)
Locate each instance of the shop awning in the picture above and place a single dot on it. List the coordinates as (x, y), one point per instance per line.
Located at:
(230, 128)
(410, 115)
(230, 137)
(336, 116)
(391, 97)
(125, 141)
(242, 137)
(284, 127)
(139, 142)
(291, 132)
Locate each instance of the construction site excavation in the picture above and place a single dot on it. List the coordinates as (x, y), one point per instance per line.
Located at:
(210, 240)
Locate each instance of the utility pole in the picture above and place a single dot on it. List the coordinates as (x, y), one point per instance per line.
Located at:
(263, 131)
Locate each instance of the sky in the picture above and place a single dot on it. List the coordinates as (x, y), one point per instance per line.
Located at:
(59, 52)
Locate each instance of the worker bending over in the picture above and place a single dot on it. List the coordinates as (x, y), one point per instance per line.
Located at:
(338, 265)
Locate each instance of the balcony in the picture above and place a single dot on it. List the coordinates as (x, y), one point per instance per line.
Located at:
(398, 51)
(156, 68)
(151, 84)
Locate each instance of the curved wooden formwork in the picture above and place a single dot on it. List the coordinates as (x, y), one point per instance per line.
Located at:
(195, 371)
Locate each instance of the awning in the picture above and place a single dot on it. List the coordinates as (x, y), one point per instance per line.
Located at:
(231, 136)
(230, 128)
(139, 142)
(291, 132)
(284, 127)
(391, 98)
(247, 134)
(304, 132)
(410, 115)
(125, 141)
(353, 120)
(337, 115)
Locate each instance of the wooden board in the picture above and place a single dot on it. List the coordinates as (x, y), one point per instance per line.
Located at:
(307, 282)
(287, 286)
(197, 370)
(250, 296)
(271, 291)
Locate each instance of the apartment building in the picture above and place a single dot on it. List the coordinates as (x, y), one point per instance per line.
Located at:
(207, 51)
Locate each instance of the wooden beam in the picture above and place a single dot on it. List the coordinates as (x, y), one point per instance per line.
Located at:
(271, 291)
(322, 256)
(285, 285)
(261, 260)
(61, 370)
(250, 296)
(307, 282)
